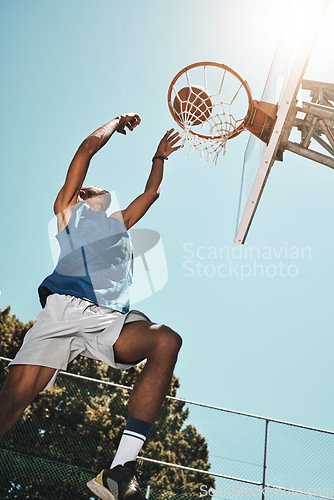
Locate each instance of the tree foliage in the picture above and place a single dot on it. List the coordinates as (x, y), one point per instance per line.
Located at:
(79, 423)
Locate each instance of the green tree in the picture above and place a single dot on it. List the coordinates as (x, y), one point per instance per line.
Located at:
(78, 424)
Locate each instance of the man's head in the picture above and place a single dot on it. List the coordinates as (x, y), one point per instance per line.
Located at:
(98, 199)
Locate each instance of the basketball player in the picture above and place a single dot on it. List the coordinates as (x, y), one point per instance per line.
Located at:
(86, 308)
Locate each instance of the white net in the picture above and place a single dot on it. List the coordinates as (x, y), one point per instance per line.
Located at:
(211, 102)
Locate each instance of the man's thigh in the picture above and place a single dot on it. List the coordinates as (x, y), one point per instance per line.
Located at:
(135, 341)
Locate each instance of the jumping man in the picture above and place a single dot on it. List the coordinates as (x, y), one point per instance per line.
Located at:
(86, 309)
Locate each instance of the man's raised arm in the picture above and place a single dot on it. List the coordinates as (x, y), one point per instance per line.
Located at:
(69, 193)
(142, 203)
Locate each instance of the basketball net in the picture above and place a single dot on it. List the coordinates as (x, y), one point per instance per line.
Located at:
(207, 147)
(213, 115)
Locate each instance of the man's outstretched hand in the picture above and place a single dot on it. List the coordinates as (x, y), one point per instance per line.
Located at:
(167, 143)
(129, 120)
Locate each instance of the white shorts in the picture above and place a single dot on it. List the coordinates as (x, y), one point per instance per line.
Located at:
(69, 326)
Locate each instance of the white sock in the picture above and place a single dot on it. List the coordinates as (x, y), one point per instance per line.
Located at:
(131, 441)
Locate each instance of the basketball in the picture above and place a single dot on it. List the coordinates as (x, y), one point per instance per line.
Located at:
(193, 104)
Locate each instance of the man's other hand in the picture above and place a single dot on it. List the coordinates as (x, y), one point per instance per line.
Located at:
(128, 120)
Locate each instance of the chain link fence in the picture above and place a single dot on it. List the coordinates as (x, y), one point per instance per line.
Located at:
(250, 456)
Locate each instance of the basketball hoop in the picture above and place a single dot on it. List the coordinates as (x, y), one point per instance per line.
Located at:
(212, 103)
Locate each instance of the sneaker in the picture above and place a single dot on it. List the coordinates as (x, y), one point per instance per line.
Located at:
(119, 483)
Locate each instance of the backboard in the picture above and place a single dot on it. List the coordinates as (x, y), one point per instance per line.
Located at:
(298, 35)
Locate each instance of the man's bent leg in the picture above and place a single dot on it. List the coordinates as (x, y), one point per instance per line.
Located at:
(160, 345)
(21, 386)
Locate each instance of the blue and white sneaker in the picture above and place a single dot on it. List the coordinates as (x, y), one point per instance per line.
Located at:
(119, 483)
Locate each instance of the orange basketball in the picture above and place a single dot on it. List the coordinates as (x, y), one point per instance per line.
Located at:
(192, 104)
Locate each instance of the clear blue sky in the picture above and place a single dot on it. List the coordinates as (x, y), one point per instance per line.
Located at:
(261, 345)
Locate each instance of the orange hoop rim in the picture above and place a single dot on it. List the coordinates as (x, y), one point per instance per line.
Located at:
(248, 116)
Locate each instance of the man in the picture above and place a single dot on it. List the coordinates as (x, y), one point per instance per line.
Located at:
(86, 309)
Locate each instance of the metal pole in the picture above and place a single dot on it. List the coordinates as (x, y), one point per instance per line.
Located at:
(323, 143)
(315, 85)
(317, 110)
(308, 136)
(327, 132)
(265, 460)
(310, 153)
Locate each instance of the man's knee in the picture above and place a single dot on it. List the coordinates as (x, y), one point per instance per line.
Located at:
(167, 339)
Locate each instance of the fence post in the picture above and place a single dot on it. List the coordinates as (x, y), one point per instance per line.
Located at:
(265, 460)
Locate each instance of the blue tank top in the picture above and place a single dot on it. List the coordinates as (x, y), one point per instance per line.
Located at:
(95, 261)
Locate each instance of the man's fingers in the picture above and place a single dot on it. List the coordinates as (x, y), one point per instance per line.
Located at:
(173, 136)
(130, 121)
(168, 133)
(174, 141)
(178, 147)
(133, 122)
